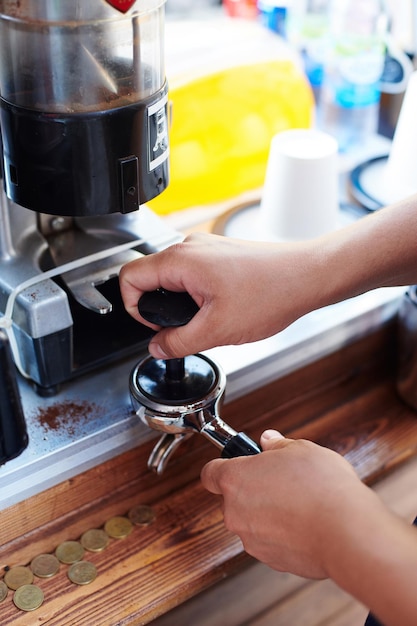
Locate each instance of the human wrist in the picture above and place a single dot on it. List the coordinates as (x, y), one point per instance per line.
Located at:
(317, 274)
(351, 534)
(373, 557)
(340, 267)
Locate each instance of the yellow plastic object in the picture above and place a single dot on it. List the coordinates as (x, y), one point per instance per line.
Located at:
(222, 125)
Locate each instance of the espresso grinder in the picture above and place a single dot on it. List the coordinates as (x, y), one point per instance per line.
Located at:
(84, 132)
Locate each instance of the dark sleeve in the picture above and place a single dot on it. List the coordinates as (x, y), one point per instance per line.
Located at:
(372, 621)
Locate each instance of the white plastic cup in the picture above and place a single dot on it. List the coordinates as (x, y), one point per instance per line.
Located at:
(300, 198)
(401, 167)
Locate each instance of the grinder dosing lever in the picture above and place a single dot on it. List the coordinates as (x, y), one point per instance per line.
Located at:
(180, 397)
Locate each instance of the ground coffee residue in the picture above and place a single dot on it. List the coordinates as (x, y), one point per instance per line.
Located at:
(67, 415)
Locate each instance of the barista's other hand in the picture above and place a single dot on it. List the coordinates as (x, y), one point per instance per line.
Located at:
(245, 290)
(292, 505)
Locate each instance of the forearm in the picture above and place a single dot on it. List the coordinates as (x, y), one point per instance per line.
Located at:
(379, 250)
(375, 560)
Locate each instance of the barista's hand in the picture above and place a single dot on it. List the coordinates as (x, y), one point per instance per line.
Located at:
(251, 290)
(244, 290)
(287, 503)
(301, 508)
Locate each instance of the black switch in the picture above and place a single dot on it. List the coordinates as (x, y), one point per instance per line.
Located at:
(129, 184)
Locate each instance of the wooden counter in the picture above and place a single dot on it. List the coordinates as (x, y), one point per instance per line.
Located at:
(346, 401)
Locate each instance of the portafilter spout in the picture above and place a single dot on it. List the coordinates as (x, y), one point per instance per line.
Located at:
(183, 396)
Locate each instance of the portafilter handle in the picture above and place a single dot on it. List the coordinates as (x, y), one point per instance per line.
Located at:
(167, 308)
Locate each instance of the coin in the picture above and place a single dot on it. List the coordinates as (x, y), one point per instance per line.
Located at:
(94, 540)
(82, 573)
(44, 565)
(28, 597)
(3, 590)
(17, 576)
(69, 552)
(118, 527)
(141, 515)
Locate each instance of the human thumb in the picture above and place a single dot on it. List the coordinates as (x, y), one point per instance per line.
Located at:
(168, 344)
(269, 439)
(178, 341)
(211, 475)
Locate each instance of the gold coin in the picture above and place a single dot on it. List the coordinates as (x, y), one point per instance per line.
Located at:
(82, 573)
(17, 576)
(69, 552)
(28, 597)
(3, 590)
(94, 540)
(118, 527)
(141, 515)
(44, 565)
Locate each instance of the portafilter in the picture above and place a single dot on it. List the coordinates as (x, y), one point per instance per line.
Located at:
(182, 396)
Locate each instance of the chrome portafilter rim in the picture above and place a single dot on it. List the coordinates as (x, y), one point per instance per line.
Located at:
(204, 383)
(179, 416)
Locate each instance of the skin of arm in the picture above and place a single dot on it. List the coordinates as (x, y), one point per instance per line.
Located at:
(314, 517)
(247, 291)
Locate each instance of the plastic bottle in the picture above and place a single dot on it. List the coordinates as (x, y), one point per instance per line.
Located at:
(351, 81)
(308, 32)
(273, 15)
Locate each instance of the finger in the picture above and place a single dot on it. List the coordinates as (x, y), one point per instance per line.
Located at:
(211, 475)
(131, 289)
(172, 343)
(131, 297)
(193, 337)
(273, 439)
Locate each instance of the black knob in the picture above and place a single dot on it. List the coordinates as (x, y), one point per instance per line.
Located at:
(167, 308)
